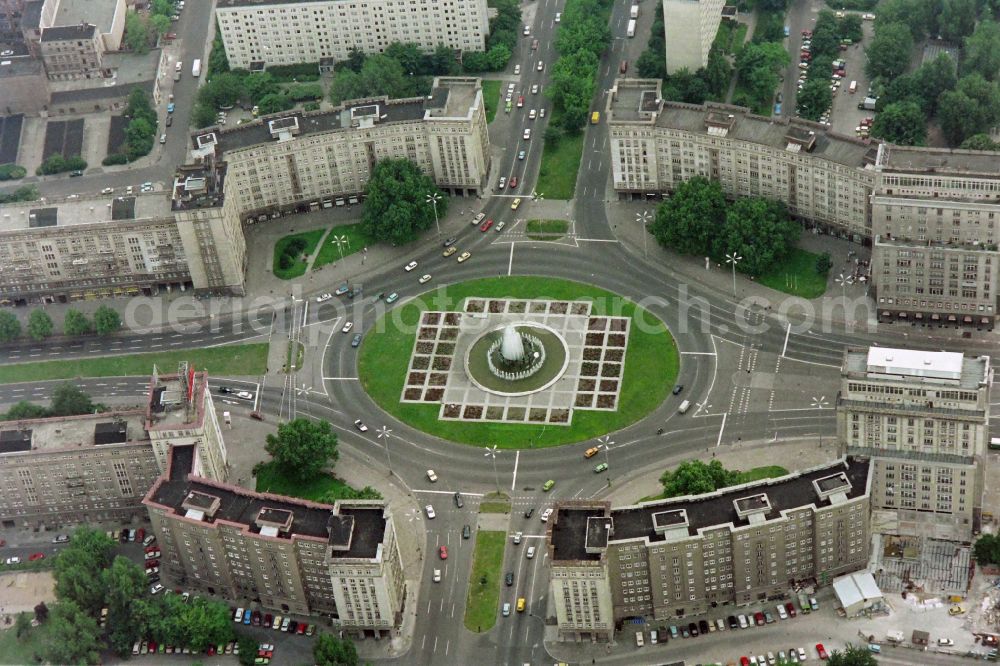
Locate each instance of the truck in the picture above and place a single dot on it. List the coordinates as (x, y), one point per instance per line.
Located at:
(196, 68)
(634, 12)
(631, 28)
(868, 103)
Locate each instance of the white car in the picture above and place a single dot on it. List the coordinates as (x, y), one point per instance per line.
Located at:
(245, 395)
(517, 537)
(546, 514)
(534, 89)
(425, 278)
(360, 426)
(503, 183)
(527, 30)
(531, 552)
(437, 575)
(802, 654)
(782, 613)
(410, 266)
(347, 327)
(129, 190)
(432, 476)
(541, 66)
(324, 298)
(13, 560)
(531, 114)
(107, 190)
(156, 589)
(527, 134)
(945, 641)
(430, 511)
(558, 17)
(541, 113)
(517, 69)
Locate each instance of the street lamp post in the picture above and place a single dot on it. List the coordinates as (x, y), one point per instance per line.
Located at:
(341, 241)
(819, 403)
(732, 260)
(383, 434)
(643, 219)
(606, 444)
(433, 199)
(491, 452)
(843, 281)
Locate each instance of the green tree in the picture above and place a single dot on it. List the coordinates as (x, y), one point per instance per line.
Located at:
(957, 19)
(259, 85)
(218, 63)
(350, 493)
(139, 138)
(982, 50)
(852, 655)
(162, 8)
(690, 219)
(26, 410)
(137, 32)
(69, 400)
(757, 229)
(22, 625)
(824, 263)
(126, 584)
(159, 24)
(972, 108)
(223, 89)
(10, 327)
(717, 73)
(355, 59)
(106, 320)
(76, 323)
(889, 52)
(328, 650)
(72, 636)
(987, 549)
(203, 115)
(248, 649)
(919, 16)
(396, 208)
(39, 324)
(901, 123)
(933, 78)
(78, 567)
(442, 62)
(849, 27)
(814, 99)
(694, 477)
(905, 88)
(206, 622)
(758, 65)
(346, 84)
(409, 56)
(980, 142)
(303, 448)
(274, 104)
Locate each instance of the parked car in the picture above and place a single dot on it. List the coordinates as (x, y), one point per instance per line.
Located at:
(34, 557)
(430, 511)
(432, 475)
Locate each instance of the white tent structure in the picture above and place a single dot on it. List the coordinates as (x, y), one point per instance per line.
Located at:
(857, 592)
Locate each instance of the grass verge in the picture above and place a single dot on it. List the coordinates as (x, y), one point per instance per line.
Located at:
(295, 353)
(484, 581)
(491, 96)
(546, 229)
(270, 479)
(493, 503)
(560, 163)
(796, 275)
(651, 364)
(298, 266)
(753, 474)
(24, 650)
(357, 240)
(228, 360)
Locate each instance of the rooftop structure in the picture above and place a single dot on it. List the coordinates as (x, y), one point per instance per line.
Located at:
(69, 32)
(72, 432)
(911, 365)
(80, 211)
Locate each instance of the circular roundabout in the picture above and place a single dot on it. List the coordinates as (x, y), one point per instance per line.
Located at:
(518, 362)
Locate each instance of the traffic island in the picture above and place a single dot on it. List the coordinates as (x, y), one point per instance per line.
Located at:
(548, 230)
(482, 604)
(607, 362)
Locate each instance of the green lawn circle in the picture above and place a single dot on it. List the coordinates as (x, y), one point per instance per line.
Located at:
(651, 364)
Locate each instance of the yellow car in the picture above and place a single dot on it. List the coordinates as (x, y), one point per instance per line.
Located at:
(517, 202)
(462, 257)
(450, 251)
(521, 604)
(956, 610)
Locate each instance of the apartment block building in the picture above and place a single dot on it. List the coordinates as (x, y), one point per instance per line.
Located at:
(260, 33)
(291, 555)
(689, 27)
(922, 418)
(935, 253)
(680, 557)
(72, 52)
(75, 469)
(291, 160)
(930, 213)
(95, 247)
(180, 412)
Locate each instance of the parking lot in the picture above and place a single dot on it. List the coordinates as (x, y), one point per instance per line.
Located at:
(846, 116)
(10, 137)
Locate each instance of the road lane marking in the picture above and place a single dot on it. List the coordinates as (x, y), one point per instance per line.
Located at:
(447, 492)
(510, 262)
(698, 353)
(722, 429)
(517, 457)
(788, 331)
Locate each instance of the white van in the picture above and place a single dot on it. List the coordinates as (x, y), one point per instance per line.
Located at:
(854, 87)
(684, 406)
(638, 639)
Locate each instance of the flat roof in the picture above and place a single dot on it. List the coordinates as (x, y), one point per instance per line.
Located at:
(716, 509)
(169, 406)
(100, 13)
(21, 66)
(92, 210)
(73, 432)
(65, 32)
(945, 368)
(31, 17)
(940, 161)
(453, 99)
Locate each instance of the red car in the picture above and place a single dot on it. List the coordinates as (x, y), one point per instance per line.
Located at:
(301, 629)
(36, 556)
(520, 101)
(790, 607)
(151, 549)
(485, 226)
(821, 651)
(140, 534)
(759, 618)
(152, 563)
(513, 182)
(268, 620)
(807, 33)
(152, 647)
(443, 552)
(744, 661)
